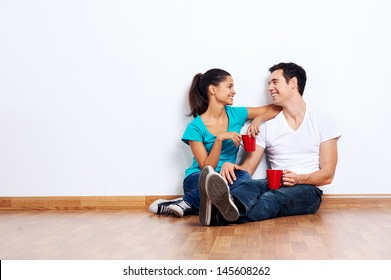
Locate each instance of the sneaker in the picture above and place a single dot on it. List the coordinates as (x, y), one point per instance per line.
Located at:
(205, 203)
(160, 206)
(215, 217)
(219, 194)
(180, 208)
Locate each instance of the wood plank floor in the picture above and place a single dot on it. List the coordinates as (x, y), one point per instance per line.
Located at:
(344, 233)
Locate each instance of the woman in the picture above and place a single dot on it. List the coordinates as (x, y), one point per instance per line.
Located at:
(213, 136)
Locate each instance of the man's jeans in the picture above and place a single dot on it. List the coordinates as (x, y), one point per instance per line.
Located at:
(192, 195)
(256, 203)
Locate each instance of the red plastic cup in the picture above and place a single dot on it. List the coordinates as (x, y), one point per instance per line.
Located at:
(274, 178)
(248, 143)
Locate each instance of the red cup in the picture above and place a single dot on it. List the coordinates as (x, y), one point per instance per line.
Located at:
(248, 143)
(274, 178)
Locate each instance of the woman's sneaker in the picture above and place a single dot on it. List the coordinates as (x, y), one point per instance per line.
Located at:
(219, 194)
(205, 203)
(160, 206)
(180, 208)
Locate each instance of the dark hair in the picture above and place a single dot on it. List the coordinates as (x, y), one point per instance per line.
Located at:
(291, 70)
(198, 92)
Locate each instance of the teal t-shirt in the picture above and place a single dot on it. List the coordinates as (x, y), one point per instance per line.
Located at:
(197, 131)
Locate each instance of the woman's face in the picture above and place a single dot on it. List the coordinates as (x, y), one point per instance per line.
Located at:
(224, 91)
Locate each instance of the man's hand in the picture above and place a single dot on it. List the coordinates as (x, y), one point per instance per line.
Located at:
(228, 171)
(290, 178)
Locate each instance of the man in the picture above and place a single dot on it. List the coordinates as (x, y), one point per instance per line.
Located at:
(299, 140)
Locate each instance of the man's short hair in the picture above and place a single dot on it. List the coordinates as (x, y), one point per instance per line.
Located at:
(291, 70)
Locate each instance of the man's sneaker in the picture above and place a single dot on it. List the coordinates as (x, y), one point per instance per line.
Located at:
(215, 217)
(160, 206)
(180, 208)
(219, 194)
(205, 203)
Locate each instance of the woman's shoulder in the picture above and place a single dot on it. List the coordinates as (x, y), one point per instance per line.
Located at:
(236, 111)
(196, 123)
(229, 108)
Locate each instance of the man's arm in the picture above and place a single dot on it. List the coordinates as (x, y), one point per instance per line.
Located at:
(250, 164)
(252, 160)
(328, 163)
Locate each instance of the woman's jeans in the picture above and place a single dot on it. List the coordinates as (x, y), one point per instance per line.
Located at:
(192, 195)
(256, 203)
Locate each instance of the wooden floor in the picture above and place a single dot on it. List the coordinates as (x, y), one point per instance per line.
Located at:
(356, 233)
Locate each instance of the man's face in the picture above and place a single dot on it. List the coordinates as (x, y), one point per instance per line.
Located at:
(278, 87)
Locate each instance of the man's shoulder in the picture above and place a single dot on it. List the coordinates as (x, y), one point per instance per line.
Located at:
(324, 124)
(274, 120)
(317, 114)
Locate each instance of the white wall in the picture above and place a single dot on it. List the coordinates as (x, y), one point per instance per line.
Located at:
(93, 94)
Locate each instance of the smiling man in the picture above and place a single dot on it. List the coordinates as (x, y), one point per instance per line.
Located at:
(299, 140)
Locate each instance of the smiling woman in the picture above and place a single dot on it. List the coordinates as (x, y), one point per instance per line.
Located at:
(213, 136)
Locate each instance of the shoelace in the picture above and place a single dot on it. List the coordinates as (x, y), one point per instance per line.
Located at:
(163, 209)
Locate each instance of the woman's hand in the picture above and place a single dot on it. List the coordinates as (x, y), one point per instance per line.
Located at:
(234, 136)
(253, 128)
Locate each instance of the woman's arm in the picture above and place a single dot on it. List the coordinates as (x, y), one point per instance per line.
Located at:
(212, 159)
(201, 155)
(265, 113)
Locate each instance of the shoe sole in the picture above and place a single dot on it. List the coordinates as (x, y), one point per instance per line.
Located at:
(205, 203)
(156, 202)
(219, 194)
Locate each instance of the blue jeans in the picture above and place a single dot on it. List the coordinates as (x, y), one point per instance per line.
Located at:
(256, 203)
(191, 192)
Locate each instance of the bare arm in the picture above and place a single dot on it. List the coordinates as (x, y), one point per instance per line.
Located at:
(252, 160)
(266, 112)
(328, 164)
(250, 164)
(259, 115)
(212, 159)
